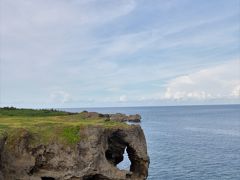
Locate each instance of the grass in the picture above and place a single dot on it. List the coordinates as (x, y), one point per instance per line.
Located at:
(12, 111)
(46, 126)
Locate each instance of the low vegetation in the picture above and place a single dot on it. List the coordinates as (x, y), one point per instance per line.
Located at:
(46, 126)
(12, 111)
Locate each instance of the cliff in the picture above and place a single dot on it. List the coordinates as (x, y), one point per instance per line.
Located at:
(73, 148)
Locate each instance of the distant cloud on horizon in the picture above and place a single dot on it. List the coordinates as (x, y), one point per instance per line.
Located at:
(212, 83)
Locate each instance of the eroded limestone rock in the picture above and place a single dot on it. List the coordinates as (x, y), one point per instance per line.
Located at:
(119, 117)
(125, 118)
(95, 156)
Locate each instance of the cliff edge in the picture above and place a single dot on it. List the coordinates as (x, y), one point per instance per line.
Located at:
(86, 149)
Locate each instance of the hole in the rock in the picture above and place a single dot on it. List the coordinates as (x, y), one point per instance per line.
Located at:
(117, 153)
(47, 178)
(125, 163)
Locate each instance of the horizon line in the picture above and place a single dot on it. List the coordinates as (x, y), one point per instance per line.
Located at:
(238, 104)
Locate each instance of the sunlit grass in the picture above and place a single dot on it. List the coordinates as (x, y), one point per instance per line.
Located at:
(55, 127)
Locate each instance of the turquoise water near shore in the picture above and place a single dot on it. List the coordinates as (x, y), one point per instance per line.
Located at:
(188, 142)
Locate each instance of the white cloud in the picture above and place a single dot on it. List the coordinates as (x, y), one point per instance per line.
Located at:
(236, 91)
(123, 98)
(22, 15)
(218, 82)
(60, 97)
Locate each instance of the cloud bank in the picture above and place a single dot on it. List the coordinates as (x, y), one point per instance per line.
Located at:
(212, 83)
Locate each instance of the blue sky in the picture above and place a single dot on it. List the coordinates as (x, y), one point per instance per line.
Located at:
(89, 53)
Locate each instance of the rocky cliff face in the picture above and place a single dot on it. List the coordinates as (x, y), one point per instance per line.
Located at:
(94, 157)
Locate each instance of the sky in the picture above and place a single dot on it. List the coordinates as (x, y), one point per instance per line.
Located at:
(91, 53)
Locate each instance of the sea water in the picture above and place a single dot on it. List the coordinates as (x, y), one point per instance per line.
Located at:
(188, 142)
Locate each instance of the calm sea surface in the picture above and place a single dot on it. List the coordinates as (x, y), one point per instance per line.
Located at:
(188, 142)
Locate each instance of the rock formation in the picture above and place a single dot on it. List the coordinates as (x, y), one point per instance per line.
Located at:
(123, 117)
(119, 117)
(94, 157)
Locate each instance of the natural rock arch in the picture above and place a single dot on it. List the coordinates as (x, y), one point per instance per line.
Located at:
(116, 147)
(117, 143)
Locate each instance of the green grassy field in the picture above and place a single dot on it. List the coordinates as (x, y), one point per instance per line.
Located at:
(46, 126)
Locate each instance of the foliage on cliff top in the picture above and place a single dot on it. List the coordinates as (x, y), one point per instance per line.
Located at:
(47, 126)
(12, 111)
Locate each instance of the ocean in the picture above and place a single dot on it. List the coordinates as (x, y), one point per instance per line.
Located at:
(188, 142)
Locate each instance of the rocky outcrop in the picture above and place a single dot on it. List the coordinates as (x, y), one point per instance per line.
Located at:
(86, 114)
(125, 118)
(94, 157)
(119, 117)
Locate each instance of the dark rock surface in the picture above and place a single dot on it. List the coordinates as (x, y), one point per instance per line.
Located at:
(119, 117)
(94, 157)
(125, 118)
